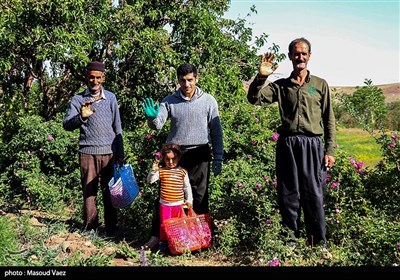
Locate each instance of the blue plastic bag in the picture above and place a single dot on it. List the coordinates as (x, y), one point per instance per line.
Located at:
(123, 187)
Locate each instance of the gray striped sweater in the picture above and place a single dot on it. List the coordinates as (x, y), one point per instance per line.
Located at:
(101, 133)
(193, 122)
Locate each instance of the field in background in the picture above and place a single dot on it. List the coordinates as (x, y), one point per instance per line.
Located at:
(360, 145)
(357, 142)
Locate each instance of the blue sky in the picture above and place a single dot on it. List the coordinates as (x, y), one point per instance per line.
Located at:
(351, 40)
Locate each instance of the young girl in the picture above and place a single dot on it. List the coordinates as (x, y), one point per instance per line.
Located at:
(175, 188)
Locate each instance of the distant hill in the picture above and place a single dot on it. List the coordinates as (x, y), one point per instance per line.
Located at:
(390, 91)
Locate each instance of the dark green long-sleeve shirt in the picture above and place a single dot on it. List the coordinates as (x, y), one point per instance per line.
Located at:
(305, 109)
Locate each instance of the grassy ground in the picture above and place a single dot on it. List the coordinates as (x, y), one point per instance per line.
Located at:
(360, 144)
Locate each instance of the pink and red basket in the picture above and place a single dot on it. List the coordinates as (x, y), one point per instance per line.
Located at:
(189, 232)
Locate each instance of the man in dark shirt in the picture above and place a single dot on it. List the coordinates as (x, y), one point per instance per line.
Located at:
(302, 157)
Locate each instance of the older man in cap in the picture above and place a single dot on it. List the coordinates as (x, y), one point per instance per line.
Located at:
(95, 112)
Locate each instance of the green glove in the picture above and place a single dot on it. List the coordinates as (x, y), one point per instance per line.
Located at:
(150, 110)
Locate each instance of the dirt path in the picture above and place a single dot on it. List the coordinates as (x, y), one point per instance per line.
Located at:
(74, 243)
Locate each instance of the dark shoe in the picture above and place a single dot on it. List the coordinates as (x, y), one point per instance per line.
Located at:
(90, 227)
(163, 247)
(292, 240)
(112, 231)
(152, 244)
(89, 231)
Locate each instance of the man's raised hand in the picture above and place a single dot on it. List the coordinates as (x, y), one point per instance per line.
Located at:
(86, 110)
(150, 110)
(267, 65)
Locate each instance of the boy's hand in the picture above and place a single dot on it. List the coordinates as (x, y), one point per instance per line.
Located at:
(217, 167)
(150, 110)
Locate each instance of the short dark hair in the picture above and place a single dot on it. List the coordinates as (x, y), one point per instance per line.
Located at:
(171, 147)
(295, 41)
(185, 69)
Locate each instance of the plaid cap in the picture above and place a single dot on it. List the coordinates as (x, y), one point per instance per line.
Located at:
(96, 66)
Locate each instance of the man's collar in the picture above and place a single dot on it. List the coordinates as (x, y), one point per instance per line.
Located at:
(306, 80)
(185, 97)
(100, 96)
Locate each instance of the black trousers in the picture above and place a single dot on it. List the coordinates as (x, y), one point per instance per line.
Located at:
(301, 177)
(196, 160)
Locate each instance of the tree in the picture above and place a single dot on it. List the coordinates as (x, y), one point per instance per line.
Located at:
(367, 106)
(48, 43)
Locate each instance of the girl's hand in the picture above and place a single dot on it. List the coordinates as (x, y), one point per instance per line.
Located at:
(155, 166)
(188, 204)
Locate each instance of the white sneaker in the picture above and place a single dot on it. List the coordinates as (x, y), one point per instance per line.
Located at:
(152, 244)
